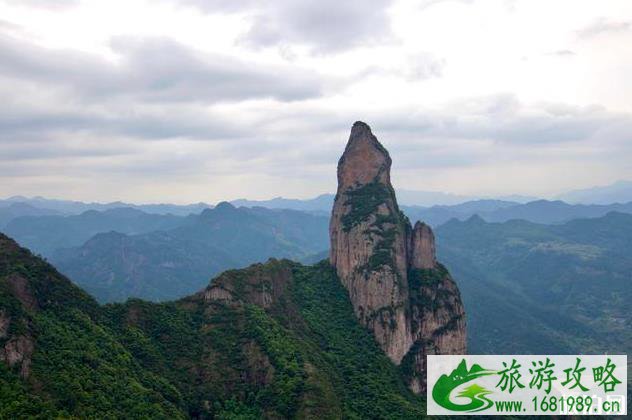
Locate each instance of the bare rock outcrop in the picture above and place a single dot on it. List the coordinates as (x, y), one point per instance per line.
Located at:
(18, 351)
(422, 252)
(260, 284)
(5, 320)
(397, 288)
(17, 348)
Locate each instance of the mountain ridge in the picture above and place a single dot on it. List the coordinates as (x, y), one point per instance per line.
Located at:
(297, 352)
(617, 192)
(163, 265)
(551, 282)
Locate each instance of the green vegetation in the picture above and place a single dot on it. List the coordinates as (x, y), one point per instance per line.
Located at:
(365, 380)
(386, 228)
(45, 234)
(169, 264)
(304, 356)
(18, 401)
(426, 277)
(363, 202)
(560, 288)
(284, 353)
(78, 367)
(90, 373)
(407, 366)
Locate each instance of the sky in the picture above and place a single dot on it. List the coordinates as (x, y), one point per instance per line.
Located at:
(190, 100)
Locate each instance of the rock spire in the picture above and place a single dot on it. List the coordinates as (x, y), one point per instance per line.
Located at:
(398, 289)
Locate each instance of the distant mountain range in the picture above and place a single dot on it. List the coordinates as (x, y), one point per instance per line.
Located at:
(619, 192)
(162, 265)
(540, 211)
(323, 202)
(557, 267)
(550, 282)
(15, 210)
(46, 234)
(543, 289)
(76, 207)
(123, 252)
(435, 198)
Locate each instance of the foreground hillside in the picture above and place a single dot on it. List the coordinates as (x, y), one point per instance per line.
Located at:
(274, 340)
(560, 288)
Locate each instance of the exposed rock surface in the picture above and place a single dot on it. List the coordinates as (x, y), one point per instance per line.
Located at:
(397, 288)
(422, 247)
(259, 284)
(18, 351)
(5, 320)
(17, 348)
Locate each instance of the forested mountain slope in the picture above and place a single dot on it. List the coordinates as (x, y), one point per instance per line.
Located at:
(277, 340)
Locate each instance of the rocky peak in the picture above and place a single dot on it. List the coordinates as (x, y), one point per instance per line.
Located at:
(422, 247)
(364, 160)
(368, 237)
(397, 288)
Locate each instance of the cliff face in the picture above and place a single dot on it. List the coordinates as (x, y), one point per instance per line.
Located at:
(397, 288)
(16, 341)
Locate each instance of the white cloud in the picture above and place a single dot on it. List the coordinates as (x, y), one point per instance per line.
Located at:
(603, 26)
(190, 100)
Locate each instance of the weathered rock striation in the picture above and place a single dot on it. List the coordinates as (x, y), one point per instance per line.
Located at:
(260, 284)
(397, 288)
(16, 340)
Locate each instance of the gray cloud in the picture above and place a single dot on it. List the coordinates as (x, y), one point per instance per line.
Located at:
(325, 25)
(460, 135)
(157, 70)
(603, 26)
(15, 152)
(421, 66)
(164, 118)
(303, 144)
(328, 25)
(504, 120)
(26, 123)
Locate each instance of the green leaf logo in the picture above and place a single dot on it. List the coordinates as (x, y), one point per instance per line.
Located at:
(476, 394)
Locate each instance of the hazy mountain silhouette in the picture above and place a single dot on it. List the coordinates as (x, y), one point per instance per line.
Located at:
(70, 207)
(168, 264)
(560, 288)
(619, 192)
(15, 210)
(45, 234)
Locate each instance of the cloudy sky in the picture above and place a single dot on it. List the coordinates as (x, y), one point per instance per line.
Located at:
(194, 100)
